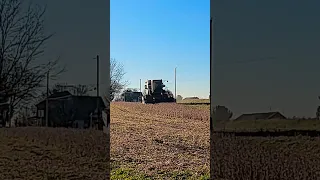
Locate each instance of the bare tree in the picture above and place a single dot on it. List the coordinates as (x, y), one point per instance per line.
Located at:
(82, 90)
(77, 90)
(116, 75)
(222, 113)
(179, 98)
(22, 40)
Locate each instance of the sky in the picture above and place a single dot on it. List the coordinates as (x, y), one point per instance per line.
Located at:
(278, 44)
(80, 34)
(151, 38)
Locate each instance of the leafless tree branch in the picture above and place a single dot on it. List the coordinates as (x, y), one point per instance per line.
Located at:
(22, 40)
(116, 75)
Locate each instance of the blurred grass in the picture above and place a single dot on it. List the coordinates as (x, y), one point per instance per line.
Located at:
(129, 173)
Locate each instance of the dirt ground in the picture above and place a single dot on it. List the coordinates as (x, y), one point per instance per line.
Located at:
(172, 142)
(159, 146)
(168, 141)
(143, 146)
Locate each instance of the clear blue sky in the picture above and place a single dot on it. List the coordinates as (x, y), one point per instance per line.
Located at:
(81, 33)
(152, 37)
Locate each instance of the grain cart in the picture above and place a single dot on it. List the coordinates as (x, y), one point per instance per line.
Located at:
(154, 92)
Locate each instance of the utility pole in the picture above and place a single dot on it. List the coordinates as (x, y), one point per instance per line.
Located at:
(175, 84)
(47, 101)
(140, 92)
(98, 73)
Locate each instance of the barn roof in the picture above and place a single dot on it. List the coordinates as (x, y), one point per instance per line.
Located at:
(60, 94)
(88, 100)
(266, 115)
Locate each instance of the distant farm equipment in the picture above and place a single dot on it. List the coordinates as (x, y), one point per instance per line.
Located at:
(154, 92)
(130, 95)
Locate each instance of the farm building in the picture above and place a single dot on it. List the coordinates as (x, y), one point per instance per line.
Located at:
(260, 116)
(132, 96)
(66, 110)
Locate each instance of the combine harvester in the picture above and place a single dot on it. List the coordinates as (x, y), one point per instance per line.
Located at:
(154, 93)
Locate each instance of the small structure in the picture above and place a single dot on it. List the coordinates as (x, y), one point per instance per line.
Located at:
(132, 97)
(66, 110)
(261, 116)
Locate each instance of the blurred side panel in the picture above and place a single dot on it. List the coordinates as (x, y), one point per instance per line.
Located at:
(211, 88)
(107, 127)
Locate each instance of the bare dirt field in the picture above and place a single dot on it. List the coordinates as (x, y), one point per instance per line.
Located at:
(161, 141)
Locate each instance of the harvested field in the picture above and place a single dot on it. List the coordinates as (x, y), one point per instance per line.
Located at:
(165, 141)
(52, 153)
(161, 141)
